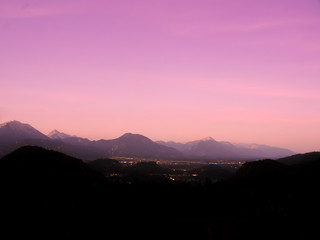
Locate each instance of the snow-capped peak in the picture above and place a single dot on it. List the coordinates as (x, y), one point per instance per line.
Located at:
(55, 134)
(207, 138)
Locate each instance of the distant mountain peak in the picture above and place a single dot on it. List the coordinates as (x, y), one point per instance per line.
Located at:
(133, 136)
(207, 139)
(55, 134)
(128, 134)
(14, 124)
(15, 130)
(137, 145)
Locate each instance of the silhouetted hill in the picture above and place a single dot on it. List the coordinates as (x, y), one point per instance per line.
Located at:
(147, 168)
(146, 173)
(266, 170)
(44, 192)
(283, 199)
(49, 195)
(106, 165)
(43, 166)
(300, 158)
(298, 169)
(212, 172)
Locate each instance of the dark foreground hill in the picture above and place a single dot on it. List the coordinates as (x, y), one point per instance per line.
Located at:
(300, 158)
(106, 166)
(211, 172)
(43, 191)
(49, 195)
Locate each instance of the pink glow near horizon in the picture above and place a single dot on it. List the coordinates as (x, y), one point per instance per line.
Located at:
(242, 71)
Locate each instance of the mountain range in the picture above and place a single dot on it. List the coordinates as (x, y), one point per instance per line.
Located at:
(15, 134)
(208, 148)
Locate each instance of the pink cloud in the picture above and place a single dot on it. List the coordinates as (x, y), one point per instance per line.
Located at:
(14, 9)
(183, 28)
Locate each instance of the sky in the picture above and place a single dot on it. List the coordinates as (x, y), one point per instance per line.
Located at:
(237, 70)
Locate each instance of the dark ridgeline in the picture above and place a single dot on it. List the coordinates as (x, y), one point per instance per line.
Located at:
(49, 195)
(212, 172)
(43, 192)
(106, 166)
(300, 158)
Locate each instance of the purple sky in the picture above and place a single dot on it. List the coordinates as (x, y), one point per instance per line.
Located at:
(237, 70)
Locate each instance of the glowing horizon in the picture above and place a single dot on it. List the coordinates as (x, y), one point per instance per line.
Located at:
(240, 71)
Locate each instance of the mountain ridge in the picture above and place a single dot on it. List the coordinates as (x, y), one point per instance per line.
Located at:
(55, 134)
(209, 148)
(15, 134)
(15, 130)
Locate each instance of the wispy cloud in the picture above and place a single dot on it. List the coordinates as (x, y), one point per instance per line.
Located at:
(264, 25)
(194, 28)
(257, 90)
(273, 91)
(18, 9)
